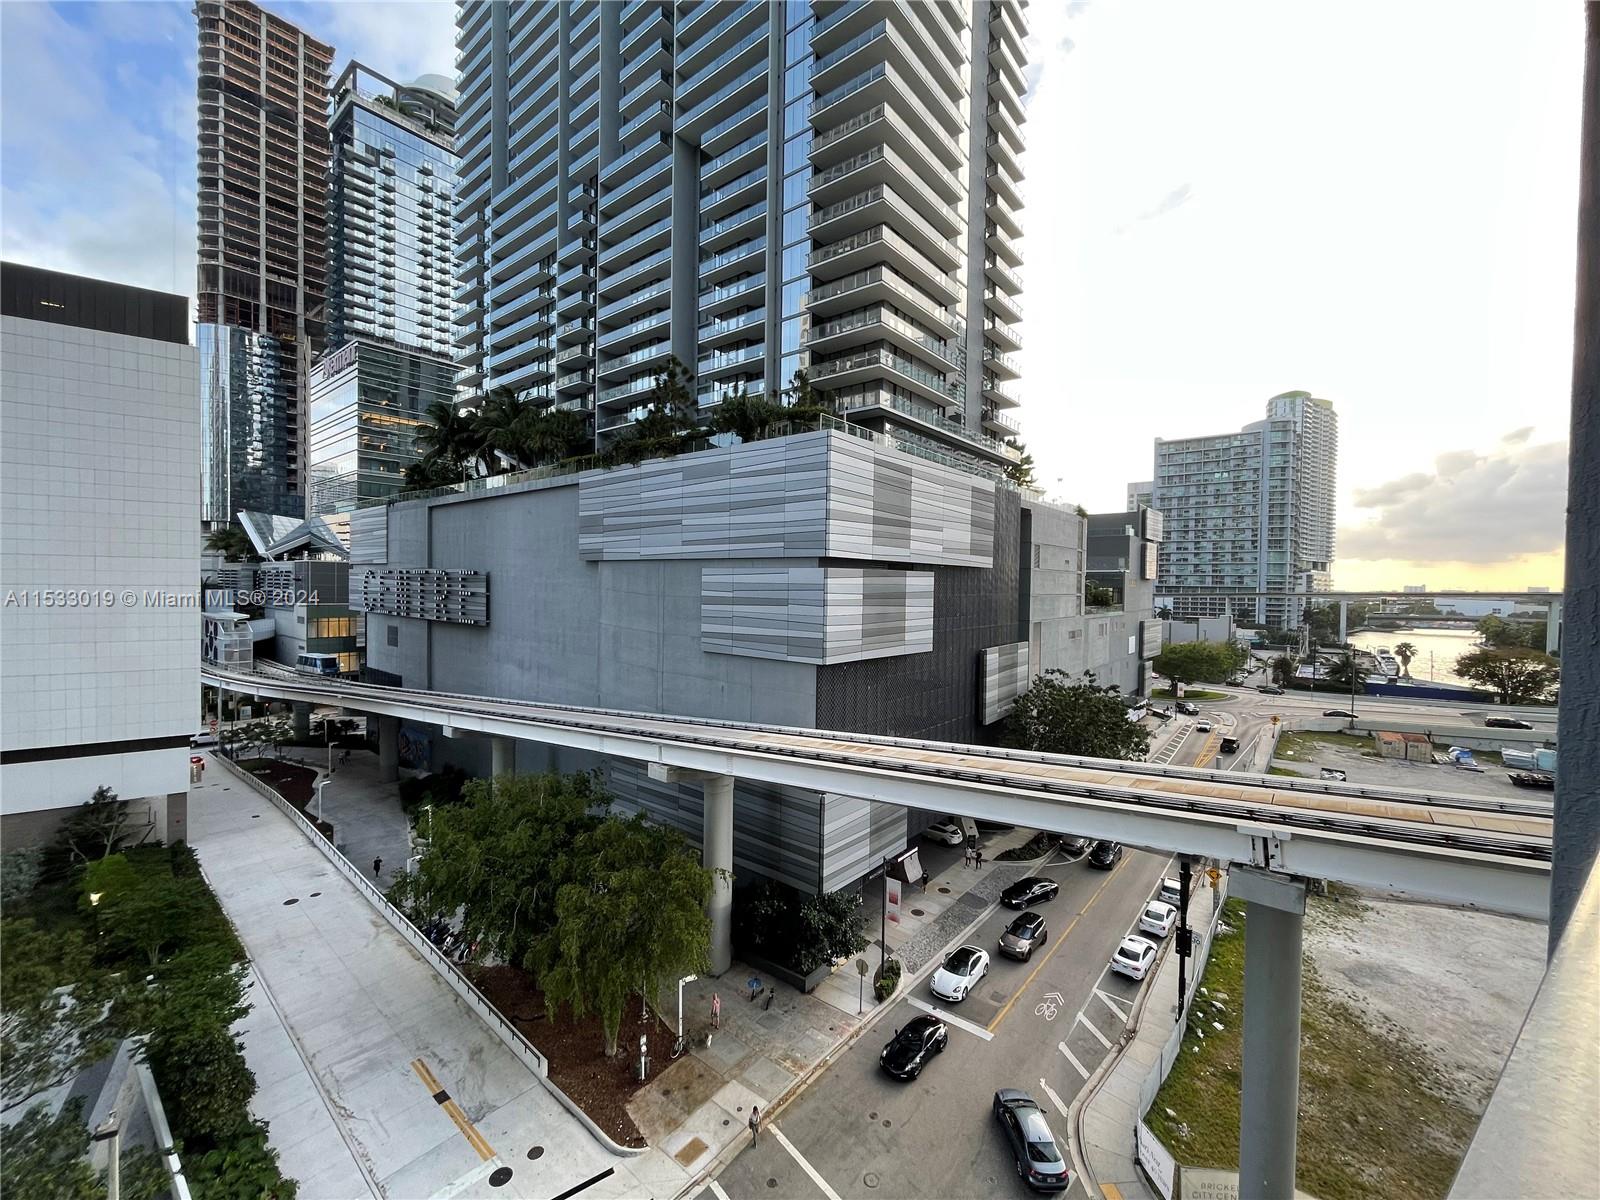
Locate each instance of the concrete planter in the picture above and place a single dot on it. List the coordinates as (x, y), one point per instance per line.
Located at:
(804, 983)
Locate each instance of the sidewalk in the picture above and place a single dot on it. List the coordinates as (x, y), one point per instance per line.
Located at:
(1106, 1112)
(403, 1088)
(365, 812)
(698, 1107)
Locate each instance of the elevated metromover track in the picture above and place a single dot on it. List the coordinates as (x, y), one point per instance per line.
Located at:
(1467, 850)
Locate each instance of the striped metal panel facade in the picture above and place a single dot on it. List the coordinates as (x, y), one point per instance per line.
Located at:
(819, 495)
(369, 534)
(1004, 678)
(816, 614)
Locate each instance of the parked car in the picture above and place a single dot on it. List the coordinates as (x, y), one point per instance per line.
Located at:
(1339, 712)
(1187, 709)
(959, 973)
(1531, 779)
(1157, 918)
(1075, 846)
(1022, 935)
(1171, 889)
(1035, 889)
(203, 740)
(913, 1045)
(1269, 689)
(1506, 723)
(1332, 773)
(1230, 745)
(1133, 957)
(945, 831)
(1040, 1162)
(1203, 726)
(1105, 855)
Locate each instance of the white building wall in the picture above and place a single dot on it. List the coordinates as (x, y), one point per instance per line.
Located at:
(99, 541)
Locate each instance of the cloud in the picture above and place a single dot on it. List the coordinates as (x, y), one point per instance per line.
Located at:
(1517, 436)
(1473, 508)
(1173, 200)
(401, 40)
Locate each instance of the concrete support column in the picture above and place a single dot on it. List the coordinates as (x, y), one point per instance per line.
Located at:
(716, 853)
(1269, 1104)
(177, 818)
(503, 757)
(1344, 621)
(388, 749)
(302, 719)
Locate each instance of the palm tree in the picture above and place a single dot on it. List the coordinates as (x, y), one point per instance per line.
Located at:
(1343, 671)
(446, 438)
(1164, 612)
(745, 415)
(1405, 652)
(499, 425)
(1283, 669)
(232, 542)
(553, 435)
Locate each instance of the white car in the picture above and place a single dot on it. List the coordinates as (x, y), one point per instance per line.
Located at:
(1133, 957)
(959, 973)
(945, 831)
(1158, 918)
(1171, 890)
(1203, 726)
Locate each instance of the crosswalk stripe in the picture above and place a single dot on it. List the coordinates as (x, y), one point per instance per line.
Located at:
(1073, 1059)
(804, 1165)
(716, 1189)
(958, 1022)
(1089, 1025)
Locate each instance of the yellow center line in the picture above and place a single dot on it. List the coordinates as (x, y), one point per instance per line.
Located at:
(1209, 750)
(1111, 1191)
(453, 1110)
(1060, 941)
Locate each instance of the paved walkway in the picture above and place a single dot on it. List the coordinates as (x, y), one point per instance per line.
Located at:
(1107, 1111)
(367, 819)
(380, 1039)
(697, 1108)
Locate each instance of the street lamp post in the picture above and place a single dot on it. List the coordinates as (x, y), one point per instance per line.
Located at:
(681, 982)
(428, 808)
(321, 783)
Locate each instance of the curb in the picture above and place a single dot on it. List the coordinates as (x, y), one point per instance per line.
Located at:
(735, 1147)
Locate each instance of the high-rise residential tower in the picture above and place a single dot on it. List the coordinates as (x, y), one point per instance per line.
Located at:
(391, 272)
(1250, 512)
(755, 189)
(263, 151)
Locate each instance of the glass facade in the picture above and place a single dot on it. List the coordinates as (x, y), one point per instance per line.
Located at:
(366, 403)
(248, 388)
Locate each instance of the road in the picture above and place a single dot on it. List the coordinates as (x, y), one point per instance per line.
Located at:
(856, 1133)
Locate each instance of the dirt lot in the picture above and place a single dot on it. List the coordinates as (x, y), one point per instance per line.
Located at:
(600, 1086)
(1304, 752)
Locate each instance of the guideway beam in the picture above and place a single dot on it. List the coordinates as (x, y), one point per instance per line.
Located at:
(1275, 908)
(716, 853)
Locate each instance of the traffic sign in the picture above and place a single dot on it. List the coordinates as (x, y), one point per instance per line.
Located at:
(213, 724)
(1275, 718)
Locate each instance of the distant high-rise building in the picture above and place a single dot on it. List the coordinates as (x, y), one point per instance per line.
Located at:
(1249, 512)
(262, 201)
(1140, 494)
(391, 272)
(755, 189)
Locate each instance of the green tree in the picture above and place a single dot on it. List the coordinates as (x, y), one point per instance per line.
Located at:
(141, 911)
(633, 917)
(798, 931)
(805, 402)
(61, 1011)
(1342, 672)
(499, 858)
(1284, 668)
(244, 1169)
(1058, 715)
(1518, 676)
(1097, 596)
(673, 396)
(217, 1083)
(47, 1158)
(96, 829)
(232, 542)
(1164, 612)
(499, 426)
(1405, 652)
(447, 439)
(1021, 472)
(1198, 662)
(555, 434)
(743, 415)
(427, 473)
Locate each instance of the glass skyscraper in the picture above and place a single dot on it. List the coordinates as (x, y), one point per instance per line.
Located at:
(390, 279)
(754, 188)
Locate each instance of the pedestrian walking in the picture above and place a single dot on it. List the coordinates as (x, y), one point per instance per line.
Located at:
(716, 1010)
(977, 859)
(377, 867)
(755, 1124)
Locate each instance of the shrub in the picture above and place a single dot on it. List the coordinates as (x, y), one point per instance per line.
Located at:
(797, 931)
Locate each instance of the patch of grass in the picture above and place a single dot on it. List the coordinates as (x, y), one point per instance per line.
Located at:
(1189, 694)
(1284, 771)
(1302, 743)
(1376, 1118)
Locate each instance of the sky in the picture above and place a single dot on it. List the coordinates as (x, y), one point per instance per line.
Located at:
(1373, 202)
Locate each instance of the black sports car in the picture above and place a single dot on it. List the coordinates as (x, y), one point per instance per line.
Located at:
(1031, 890)
(912, 1046)
(1105, 855)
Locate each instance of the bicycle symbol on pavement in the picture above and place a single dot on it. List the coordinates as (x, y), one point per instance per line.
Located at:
(1050, 1007)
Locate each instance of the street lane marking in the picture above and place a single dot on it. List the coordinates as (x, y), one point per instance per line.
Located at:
(1055, 1099)
(1111, 1191)
(1089, 1025)
(958, 1022)
(1122, 1013)
(716, 1189)
(804, 1165)
(1073, 1059)
(452, 1110)
(1060, 942)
